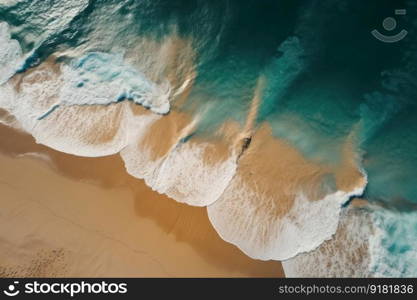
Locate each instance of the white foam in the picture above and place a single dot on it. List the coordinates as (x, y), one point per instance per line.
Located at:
(393, 247)
(10, 54)
(9, 2)
(345, 255)
(100, 78)
(76, 130)
(184, 176)
(95, 78)
(245, 218)
(50, 107)
(182, 173)
(79, 132)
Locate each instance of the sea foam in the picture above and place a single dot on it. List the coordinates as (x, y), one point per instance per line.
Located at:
(393, 244)
(10, 53)
(182, 173)
(100, 78)
(347, 254)
(245, 217)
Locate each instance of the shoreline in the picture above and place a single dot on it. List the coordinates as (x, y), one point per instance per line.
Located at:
(106, 223)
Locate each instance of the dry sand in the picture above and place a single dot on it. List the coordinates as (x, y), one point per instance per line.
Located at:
(71, 216)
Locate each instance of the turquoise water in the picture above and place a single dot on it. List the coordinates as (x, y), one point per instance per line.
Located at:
(326, 78)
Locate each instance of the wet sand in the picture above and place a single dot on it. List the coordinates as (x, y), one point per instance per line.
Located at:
(76, 216)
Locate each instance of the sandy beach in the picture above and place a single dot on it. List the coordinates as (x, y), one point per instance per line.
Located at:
(73, 216)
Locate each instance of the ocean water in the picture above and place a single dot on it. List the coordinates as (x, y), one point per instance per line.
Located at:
(274, 114)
